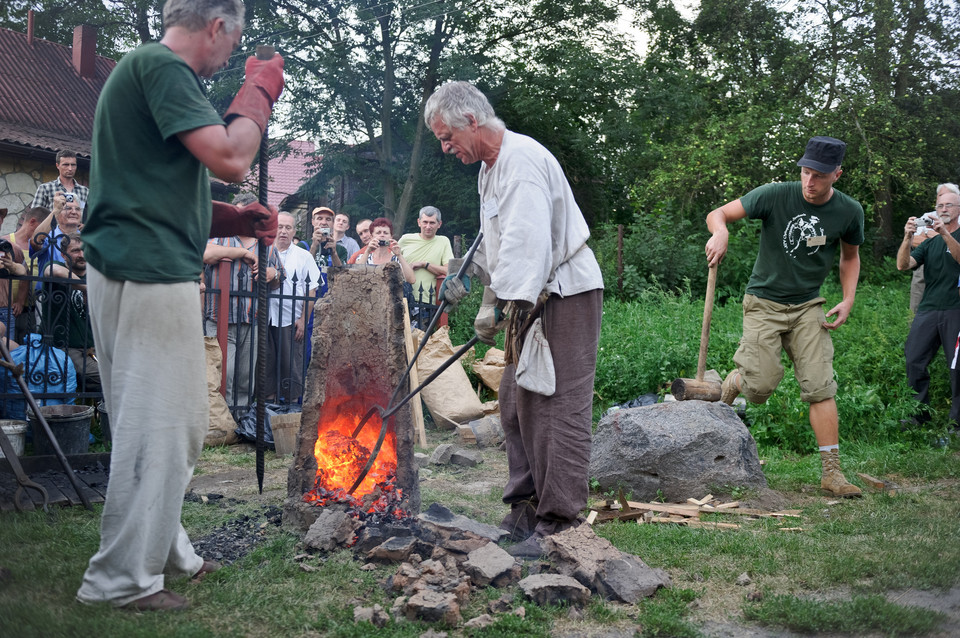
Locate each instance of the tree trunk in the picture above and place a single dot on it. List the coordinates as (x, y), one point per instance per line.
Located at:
(429, 84)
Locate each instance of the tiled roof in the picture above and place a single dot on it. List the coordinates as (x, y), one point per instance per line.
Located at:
(288, 173)
(44, 102)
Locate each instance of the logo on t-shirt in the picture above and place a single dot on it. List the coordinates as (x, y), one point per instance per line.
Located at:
(798, 233)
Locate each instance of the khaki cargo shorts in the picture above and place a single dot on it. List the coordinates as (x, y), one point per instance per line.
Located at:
(768, 328)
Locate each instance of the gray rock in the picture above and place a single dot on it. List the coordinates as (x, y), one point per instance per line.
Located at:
(395, 549)
(332, 529)
(553, 589)
(374, 615)
(441, 454)
(678, 449)
(481, 621)
(491, 565)
(466, 458)
(597, 564)
(487, 431)
(628, 579)
(744, 579)
(443, 518)
(421, 459)
(434, 606)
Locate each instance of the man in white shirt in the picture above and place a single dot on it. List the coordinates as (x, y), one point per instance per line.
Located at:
(534, 258)
(298, 279)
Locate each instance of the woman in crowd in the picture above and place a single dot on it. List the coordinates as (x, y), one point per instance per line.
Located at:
(383, 248)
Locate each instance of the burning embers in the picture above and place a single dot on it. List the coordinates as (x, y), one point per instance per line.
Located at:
(341, 459)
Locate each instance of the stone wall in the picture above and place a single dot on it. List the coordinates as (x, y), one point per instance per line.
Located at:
(19, 179)
(18, 183)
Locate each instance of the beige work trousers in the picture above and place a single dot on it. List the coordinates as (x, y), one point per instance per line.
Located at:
(152, 366)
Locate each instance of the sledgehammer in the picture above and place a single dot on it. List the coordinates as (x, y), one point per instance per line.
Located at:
(687, 389)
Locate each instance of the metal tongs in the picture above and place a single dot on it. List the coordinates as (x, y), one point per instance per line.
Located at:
(392, 406)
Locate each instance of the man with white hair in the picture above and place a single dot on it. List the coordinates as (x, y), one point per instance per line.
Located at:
(156, 139)
(924, 232)
(937, 321)
(535, 262)
(427, 252)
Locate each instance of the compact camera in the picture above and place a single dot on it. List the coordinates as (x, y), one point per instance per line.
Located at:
(325, 231)
(383, 242)
(68, 196)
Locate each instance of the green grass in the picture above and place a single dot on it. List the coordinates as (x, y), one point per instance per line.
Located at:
(860, 615)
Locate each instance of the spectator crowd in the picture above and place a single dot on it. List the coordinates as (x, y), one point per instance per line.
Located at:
(43, 289)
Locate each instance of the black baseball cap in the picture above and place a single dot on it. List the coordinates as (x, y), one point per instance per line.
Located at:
(823, 154)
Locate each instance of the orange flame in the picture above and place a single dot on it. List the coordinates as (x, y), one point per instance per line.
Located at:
(341, 457)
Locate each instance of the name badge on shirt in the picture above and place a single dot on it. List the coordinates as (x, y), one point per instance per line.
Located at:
(817, 241)
(490, 208)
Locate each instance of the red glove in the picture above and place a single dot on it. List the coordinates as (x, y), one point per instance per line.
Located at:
(261, 89)
(253, 220)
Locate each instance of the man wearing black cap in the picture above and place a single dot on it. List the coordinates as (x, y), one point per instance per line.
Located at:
(802, 225)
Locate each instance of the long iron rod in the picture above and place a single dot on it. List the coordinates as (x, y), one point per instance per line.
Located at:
(264, 52)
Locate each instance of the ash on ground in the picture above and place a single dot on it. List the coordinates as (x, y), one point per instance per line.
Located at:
(234, 539)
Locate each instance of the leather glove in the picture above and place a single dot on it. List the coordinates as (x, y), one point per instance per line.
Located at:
(453, 289)
(490, 320)
(263, 85)
(253, 220)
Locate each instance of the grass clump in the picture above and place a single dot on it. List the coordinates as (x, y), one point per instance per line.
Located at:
(861, 614)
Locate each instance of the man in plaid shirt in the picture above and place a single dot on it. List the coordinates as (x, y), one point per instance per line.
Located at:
(67, 167)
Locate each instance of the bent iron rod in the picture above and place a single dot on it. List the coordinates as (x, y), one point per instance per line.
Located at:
(388, 414)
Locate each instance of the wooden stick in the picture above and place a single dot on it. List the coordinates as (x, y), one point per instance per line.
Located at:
(705, 328)
(414, 374)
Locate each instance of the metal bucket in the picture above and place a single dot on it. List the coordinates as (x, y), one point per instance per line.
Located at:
(70, 424)
(104, 421)
(16, 431)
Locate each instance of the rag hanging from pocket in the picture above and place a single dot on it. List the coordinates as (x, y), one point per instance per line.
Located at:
(535, 370)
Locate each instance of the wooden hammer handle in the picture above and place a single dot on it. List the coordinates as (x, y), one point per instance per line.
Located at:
(705, 329)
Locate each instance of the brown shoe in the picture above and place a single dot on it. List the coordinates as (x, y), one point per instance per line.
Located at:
(208, 567)
(832, 481)
(163, 600)
(730, 388)
(521, 521)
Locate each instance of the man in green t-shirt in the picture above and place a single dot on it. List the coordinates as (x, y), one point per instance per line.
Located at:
(803, 224)
(155, 137)
(428, 254)
(937, 322)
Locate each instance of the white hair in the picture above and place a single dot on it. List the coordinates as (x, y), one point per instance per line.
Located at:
(194, 15)
(454, 101)
(953, 188)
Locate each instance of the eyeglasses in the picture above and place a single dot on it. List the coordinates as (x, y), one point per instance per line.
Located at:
(946, 206)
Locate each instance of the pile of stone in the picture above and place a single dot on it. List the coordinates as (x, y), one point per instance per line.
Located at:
(442, 557)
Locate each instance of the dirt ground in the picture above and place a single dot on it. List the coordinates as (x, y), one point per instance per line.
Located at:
(473, 491)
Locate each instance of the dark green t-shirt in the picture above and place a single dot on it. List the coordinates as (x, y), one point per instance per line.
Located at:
(941, 272)
(798, 240)
(149, 208)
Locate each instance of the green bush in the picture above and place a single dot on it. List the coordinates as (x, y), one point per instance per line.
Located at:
(647, 343)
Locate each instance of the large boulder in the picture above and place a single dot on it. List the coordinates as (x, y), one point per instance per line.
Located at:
(679, 450)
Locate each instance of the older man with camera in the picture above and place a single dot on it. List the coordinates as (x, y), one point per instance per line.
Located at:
(937, 322)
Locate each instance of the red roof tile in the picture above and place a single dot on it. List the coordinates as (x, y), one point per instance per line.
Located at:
(44, 102)
(288, 173)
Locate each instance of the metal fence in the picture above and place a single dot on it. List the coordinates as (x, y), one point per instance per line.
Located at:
(59, 358)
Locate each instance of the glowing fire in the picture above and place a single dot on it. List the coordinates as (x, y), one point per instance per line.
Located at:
(341, 457)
